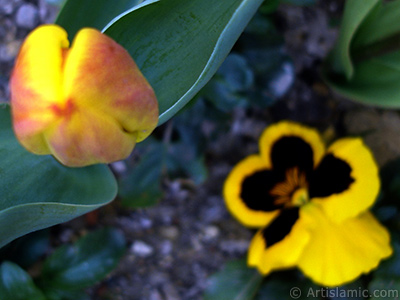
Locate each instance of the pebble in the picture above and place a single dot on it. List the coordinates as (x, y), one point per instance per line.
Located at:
(210, 232)
(169, 232)
(155, 295)
(142, 249)
(166, 247)
(235, 247)
(9, 51)
(27, 16)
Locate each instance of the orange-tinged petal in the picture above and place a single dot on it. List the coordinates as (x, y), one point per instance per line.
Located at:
(86, 104)
(36, 83)
(100, 74)
(88, 137)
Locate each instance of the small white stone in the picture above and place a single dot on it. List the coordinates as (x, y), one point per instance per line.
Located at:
(141, 249)
(210, 232)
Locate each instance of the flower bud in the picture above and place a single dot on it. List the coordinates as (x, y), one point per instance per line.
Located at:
(85, 104)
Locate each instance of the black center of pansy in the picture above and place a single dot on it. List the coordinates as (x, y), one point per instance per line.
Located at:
(292, 152)
(293, 180)
(256, 190)
(268, 190)
(332, 176)
(281, 226)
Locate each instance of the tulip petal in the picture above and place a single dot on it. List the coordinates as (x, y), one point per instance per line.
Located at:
(36, 84)
(101, 75)
(338, 253)
(363, 188)
(88, 137)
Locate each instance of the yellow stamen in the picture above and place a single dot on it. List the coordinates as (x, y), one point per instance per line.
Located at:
(292, 191)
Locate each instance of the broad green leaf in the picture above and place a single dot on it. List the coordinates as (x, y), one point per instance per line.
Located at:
(375, 81)
(179, 45)
(77, 14)
(354, 14)
(380, 24)
(16, 284)
(235, 282)
(73, 267)
(37, 192)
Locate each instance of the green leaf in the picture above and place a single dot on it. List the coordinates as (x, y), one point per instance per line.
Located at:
(27, 250)
(73, 267)
(66, 295)
(375, 81)
(235, 282)
(141, 187)
(77, 14)
(37, 192)
(288, 285)
(179, 45)
(380, 24)
(16, 284)
(354, 14)
(233, 78)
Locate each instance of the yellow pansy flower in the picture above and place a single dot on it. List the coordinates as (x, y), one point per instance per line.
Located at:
(84, 104)
(311, 204)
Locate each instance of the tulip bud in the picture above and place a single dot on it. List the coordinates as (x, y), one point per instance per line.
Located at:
(85, 104)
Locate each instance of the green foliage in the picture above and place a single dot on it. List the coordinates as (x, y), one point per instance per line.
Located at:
(179, 53)
(365, 63)
(67, 271)
(235, 282)
(86, 262)
(16, 284)
(141, 187)
(177, 44)
(26, 250)
(37, 192)
(256, 73)
(179, 153)
(246, 78)
(74, 14)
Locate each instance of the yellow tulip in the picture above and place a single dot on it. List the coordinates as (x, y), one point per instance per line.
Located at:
(85, 104)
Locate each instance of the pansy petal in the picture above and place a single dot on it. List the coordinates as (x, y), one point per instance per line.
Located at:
(286, 246)
(287, 144)
(78, 139)
(339, 253)
(117, 87)
(36, 83)
(246, 192)
(349, 182)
